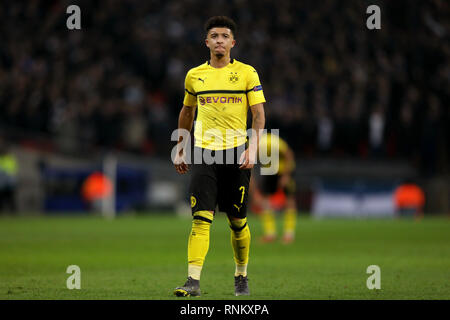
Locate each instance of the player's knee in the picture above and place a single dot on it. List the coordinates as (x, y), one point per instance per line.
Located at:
(203, 216)
(201, 223)
(237, 224)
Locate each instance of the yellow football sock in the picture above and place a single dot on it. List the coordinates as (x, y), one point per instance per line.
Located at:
(198, 244)
(290, 219)
(240, 241)
(268, 220)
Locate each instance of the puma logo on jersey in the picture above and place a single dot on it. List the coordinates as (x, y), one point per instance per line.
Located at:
(202, 80)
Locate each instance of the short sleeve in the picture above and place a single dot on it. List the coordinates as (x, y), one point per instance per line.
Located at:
(190, 98)
(255, 92)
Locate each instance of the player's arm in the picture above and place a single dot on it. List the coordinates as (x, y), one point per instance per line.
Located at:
(248, 158)
(186, 117)
(185, 122)
(290, 160)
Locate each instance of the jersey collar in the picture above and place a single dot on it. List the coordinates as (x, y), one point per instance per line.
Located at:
(231, 62)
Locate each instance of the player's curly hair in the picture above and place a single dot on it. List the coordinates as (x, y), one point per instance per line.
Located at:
(221, 22)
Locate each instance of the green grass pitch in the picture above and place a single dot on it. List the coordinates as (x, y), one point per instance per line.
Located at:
(144, 257)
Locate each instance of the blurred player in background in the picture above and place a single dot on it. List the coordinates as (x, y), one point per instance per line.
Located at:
(409, 200)
(275, 192)
(8, 178)
(223, 89)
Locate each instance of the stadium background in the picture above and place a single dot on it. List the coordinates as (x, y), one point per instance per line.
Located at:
(343, 96)
(362, 109)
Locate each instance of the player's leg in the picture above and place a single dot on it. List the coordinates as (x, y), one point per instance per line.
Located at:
(240, 241)
(233, 198)
(198, 246)
(203, 191)
(268, 187)
(198, 243)
(268, 222)
(290, 213)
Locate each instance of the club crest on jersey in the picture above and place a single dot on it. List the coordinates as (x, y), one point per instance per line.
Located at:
(233, 77)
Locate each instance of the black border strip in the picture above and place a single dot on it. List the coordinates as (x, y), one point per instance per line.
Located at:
(224, 91)
(202, 218)
(218, 91)
(238, 229)
(173, 307)
(192, 94)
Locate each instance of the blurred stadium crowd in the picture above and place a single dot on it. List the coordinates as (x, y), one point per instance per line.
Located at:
(334, 88)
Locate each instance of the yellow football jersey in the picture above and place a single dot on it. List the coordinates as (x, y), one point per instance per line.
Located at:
(222, 97)
(269, 141)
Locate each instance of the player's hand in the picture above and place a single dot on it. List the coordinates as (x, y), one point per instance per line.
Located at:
(247, 160)
(180, 163)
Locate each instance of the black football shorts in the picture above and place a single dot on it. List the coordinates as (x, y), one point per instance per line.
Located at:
(223, 185)
(269, 185)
